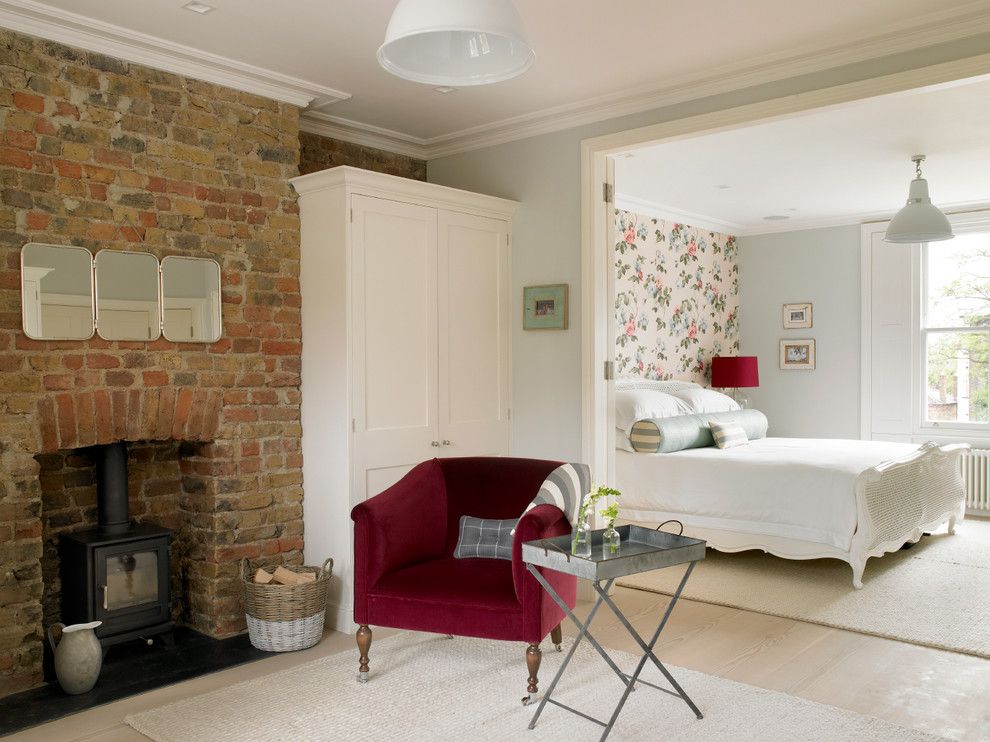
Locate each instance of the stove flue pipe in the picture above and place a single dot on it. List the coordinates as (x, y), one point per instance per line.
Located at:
(113, 512)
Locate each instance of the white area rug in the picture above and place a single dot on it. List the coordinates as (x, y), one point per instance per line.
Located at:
(936, 594)
(429, 688)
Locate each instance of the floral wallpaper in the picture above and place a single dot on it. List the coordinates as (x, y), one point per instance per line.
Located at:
(677, 298)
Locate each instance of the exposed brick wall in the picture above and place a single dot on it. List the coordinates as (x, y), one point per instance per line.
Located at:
(319, 153)
(104, 154)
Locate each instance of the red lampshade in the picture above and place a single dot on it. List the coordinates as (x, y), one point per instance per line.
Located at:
(735, 372)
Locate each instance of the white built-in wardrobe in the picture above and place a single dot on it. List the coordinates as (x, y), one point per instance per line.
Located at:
(406, 318)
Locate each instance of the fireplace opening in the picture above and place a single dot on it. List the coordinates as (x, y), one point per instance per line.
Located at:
(116, 571)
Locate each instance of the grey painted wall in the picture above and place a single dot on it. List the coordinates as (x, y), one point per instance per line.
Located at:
(544, 174)
(821, 266)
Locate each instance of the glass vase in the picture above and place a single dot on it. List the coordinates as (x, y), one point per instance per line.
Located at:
(611, 541)
(581, 543)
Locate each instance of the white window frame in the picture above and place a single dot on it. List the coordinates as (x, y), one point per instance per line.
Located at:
(961, 224)
(919, 429)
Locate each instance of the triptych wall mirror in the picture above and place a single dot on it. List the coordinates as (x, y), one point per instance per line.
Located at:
(66, 294)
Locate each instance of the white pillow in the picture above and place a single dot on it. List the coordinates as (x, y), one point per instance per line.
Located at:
(701, 400)
(645, 404)
(622, 442)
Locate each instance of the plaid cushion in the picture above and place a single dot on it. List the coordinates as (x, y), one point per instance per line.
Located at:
(487, 539)
(728, 435)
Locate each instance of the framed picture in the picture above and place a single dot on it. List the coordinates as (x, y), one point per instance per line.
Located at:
(797, 316)
(545, 307)
(797, 354)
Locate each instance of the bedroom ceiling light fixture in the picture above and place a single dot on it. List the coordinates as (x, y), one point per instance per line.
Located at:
(201, 8)
(455, 42)
(919, 220)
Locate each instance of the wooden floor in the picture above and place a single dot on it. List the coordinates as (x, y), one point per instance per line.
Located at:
(929, 689)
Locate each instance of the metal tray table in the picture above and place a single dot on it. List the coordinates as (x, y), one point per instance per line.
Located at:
(641, 550)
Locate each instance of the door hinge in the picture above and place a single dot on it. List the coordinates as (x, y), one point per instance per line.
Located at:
(609, 371)
(508, 414)
(608, 192)
(353, 425)
(352, 214)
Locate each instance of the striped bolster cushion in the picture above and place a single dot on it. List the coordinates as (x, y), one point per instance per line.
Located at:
(564, 487)
(670, 434)
(728, 435)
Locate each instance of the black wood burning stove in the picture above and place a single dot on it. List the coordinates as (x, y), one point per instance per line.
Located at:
(118, 572)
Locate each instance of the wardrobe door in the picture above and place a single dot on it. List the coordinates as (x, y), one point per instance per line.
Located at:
(394, 340)
(474, 321)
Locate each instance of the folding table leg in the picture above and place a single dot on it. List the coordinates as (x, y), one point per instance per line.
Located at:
(583, 631)
(648, 649)
(628, 680)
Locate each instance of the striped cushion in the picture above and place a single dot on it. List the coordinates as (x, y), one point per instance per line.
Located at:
(564, 487)
(728, 435)
(645, 436)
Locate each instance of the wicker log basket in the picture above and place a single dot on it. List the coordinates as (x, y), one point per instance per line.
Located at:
(285, 618)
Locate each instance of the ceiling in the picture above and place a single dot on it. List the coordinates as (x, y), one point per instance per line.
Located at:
(840, 165)
(594, 59)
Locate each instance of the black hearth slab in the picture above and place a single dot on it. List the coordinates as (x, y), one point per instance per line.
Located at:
(130, 669)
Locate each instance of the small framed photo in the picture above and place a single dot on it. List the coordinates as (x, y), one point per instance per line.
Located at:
(797, 354)
(545, 307)
(797, 316)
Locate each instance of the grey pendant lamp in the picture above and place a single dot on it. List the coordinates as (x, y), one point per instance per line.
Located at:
(919, 220)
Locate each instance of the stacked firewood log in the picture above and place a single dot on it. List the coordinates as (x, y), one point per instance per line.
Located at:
(283, 576)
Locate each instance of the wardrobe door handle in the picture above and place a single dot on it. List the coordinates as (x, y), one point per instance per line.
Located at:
(445, 442)
(435, 444)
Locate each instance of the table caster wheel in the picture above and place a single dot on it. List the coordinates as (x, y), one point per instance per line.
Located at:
(448, 636)
(362, 677)
(559, 647)
(529, 699)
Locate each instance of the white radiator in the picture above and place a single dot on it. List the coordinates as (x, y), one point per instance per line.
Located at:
(976, 477)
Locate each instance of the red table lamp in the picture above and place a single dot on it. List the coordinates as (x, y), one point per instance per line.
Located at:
(736, 372)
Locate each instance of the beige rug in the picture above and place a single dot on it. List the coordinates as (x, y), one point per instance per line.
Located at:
(428, 688)
(936, 594)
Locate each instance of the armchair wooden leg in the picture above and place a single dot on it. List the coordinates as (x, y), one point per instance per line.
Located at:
(533, 657)
(363, 637)
(557, 637)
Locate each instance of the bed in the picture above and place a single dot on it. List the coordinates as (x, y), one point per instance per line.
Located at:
(798, 498)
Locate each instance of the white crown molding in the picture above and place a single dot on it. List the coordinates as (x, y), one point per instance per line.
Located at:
(336, 127)
(957, 210)
(38, 19)
(939, 26)
(672, 214)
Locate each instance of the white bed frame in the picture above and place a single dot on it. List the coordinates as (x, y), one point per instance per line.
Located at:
(896, 502)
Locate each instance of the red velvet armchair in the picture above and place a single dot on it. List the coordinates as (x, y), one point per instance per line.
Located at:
(405, 575)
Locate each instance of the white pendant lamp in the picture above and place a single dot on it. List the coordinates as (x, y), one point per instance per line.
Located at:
(919, 221)
(455, 42)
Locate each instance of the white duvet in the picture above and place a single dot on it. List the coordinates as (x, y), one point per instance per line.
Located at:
(799, 488)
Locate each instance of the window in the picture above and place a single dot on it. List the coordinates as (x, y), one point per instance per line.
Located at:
(955, 331)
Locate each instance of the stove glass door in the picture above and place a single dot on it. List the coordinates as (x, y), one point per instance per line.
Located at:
(132, 579)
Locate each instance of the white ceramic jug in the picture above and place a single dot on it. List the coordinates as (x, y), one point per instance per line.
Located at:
(78, 655)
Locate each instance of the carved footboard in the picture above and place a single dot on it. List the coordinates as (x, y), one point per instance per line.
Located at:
(900, 499)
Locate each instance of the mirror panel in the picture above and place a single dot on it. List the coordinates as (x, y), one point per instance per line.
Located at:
(56, 292)
(127, 298)
(191, 300)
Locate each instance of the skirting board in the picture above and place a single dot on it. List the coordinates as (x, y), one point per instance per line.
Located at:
(340, 618)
